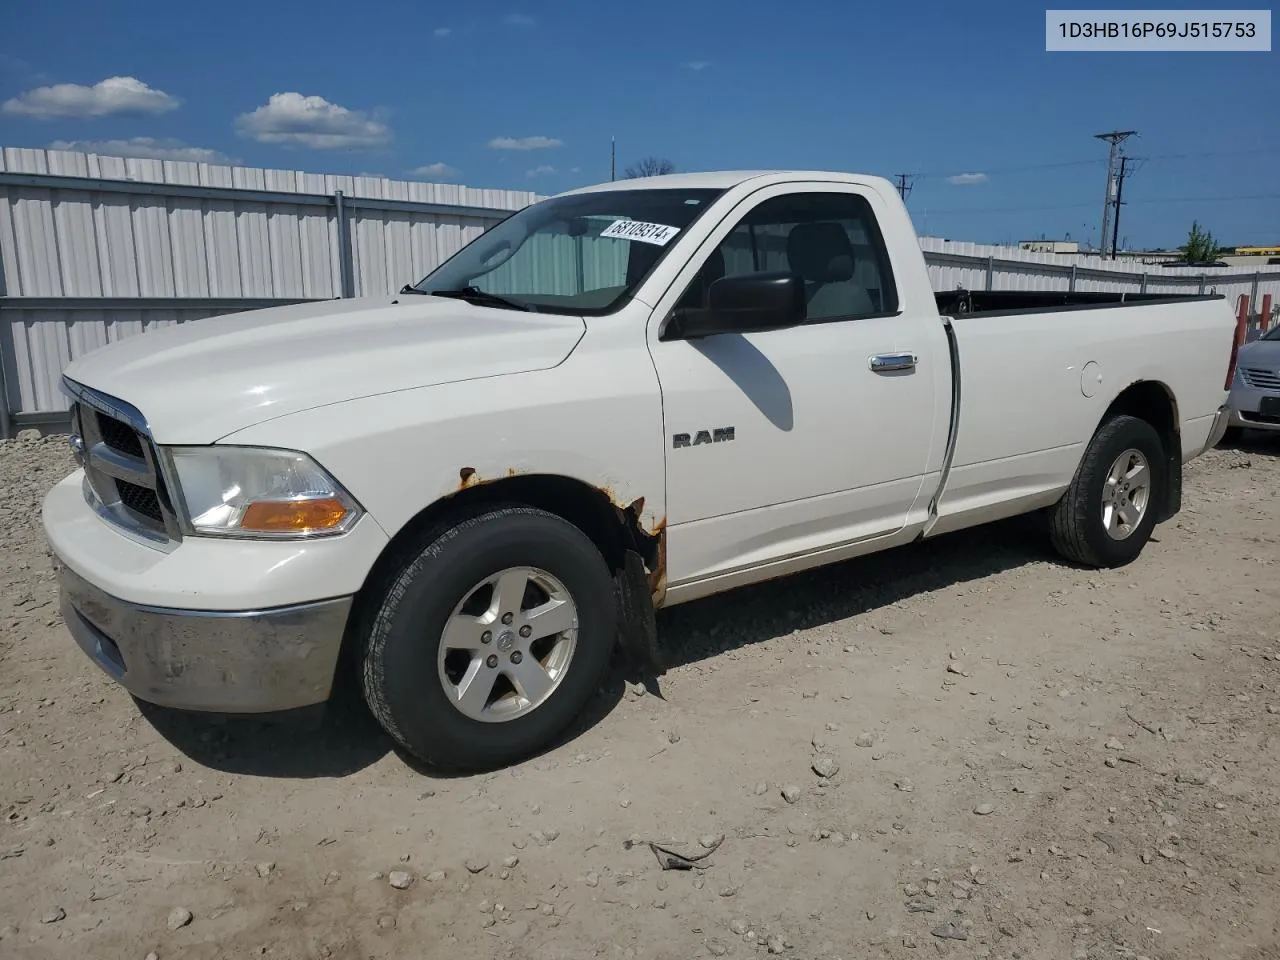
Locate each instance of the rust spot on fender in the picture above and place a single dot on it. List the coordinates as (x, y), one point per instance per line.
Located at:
(658, 574)
(467, 478)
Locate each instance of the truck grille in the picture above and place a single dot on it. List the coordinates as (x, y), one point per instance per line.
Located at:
(1262, 379)
(123, 476)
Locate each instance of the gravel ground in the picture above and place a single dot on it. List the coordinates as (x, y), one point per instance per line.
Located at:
(963, 748)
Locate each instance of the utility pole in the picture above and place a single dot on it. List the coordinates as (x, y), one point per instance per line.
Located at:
(903, 181)
(613, 159)
(1115, 228)
(1115, 138)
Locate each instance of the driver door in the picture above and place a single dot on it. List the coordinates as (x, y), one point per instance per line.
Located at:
(785, 444)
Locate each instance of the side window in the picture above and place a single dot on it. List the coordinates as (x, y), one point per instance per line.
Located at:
(830, 239)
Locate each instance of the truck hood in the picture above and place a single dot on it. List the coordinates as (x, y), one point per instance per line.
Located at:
(199, 381)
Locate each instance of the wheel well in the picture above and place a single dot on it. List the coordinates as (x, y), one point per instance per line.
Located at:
(1153, 402)
(614, 529)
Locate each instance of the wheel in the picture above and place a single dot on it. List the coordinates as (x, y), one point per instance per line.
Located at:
(1232, 436)
(1108, 512)
(491, 640)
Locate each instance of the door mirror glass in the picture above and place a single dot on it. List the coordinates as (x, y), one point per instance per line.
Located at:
(747, 303)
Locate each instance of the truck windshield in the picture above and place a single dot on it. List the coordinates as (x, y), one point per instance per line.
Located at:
(578, 254)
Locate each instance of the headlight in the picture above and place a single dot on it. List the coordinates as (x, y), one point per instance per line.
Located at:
(256, 492)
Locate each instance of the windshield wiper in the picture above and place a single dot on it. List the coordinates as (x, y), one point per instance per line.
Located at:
(482, 298)
(410, 288)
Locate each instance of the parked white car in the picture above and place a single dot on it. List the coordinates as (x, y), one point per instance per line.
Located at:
(621, 398)
(1255, 391)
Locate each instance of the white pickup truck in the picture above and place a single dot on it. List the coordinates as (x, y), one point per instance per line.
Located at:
(618, 399)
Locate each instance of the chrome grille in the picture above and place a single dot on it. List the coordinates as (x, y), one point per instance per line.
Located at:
(124, 479)
(1260, 378)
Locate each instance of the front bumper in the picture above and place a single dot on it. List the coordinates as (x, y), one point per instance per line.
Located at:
(253, 661)
(1245, 402)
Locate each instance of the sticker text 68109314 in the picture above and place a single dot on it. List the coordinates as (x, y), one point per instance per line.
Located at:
(655, 233)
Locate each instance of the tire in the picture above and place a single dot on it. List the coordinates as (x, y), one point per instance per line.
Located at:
(1078, 524)
(1232, 437)
(413, 687)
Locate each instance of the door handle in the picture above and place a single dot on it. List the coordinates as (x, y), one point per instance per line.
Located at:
(888, 362)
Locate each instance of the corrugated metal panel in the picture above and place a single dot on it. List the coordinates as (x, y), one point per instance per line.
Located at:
(64, 241)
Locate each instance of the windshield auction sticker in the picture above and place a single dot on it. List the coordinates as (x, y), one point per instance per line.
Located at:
(655, 233)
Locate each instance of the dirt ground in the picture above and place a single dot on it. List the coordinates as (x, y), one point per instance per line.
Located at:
(1025, 760)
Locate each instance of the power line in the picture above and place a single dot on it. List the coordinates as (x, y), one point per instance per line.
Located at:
(1079, 206)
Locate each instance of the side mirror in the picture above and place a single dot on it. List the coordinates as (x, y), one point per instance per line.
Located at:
(750, 303)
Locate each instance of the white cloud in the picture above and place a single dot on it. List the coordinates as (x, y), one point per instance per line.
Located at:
(294, 120)
(967, 179)
(151, 148)
(541, 171)
(442, 31)
(518, 20)
(111, 96)
(435, 170)
(524, 143)
(697, 64)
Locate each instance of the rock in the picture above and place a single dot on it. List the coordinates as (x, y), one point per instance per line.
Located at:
(956, 667)
(435, 876)
(54, 915)
(476, 865)
(592, 879)
(152, 956)
(673, 737)
(545, 836)
(1192, 779)
(903, 784)
(264, 869)
(985, 809)
(710, 841)
(865, 740)
(387, 922)
(737, 927)
(400, 879)
(717, 948)
(760, 789)
(1113, 744)
(29, 435)
(912, 890)
(511, 862)
(776, 945)
(1111, 762)
(728, 892)
(179, 917)
(790, 793)
(825, 767)
(950, 931)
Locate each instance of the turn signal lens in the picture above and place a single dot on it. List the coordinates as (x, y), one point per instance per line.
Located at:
(293, 516)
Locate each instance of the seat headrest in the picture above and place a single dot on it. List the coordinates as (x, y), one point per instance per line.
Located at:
(820, 252)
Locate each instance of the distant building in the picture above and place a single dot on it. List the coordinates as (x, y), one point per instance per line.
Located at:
(1253, 257)
(1049, 246)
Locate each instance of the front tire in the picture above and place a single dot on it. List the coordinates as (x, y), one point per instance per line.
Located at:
(1109, 511)
(491, 640)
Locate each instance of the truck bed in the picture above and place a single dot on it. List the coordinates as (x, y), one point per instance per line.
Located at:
(958, 303)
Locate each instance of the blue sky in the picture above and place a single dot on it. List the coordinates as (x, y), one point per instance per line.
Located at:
(526, 96)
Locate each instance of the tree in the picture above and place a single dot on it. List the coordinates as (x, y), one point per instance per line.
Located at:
(649, 167)
(1200, 246)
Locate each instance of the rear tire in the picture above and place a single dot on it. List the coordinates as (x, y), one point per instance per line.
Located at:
(461, 677)
(1108, 512)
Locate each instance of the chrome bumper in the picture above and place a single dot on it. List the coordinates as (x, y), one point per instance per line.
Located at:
(1219, 428)
(253, 661)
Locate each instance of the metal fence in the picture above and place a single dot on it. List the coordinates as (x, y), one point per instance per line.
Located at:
(94, 249)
